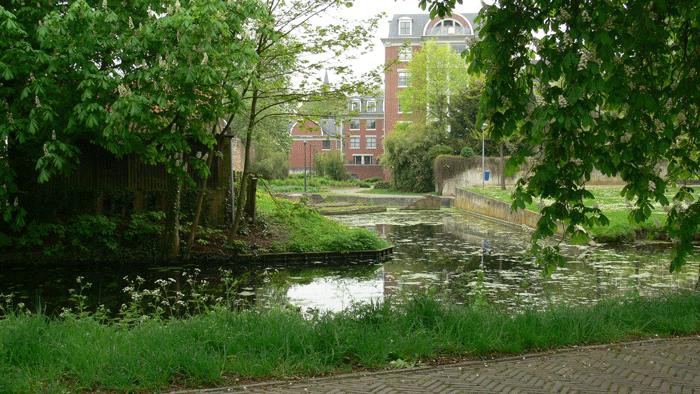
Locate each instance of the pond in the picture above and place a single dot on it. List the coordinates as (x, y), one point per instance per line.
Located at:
(448, 254)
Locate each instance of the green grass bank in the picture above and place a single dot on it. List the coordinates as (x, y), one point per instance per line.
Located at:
(616, 209)
(41, 354)
(281, 226)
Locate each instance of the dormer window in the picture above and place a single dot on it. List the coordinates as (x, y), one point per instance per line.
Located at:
(355, 105)
(447, 27)
(405, 25)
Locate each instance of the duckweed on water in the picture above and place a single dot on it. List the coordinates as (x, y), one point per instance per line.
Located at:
(84, 351)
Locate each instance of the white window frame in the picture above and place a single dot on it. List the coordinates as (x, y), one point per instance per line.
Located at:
(363, 159)
(371, 106)
(355, 138)
(410, 26)
(323, 144)
(373, 145)
(351, 122)
(455, 24)
(405, 53)
(355, 105)
(398, 79)
(367, 124)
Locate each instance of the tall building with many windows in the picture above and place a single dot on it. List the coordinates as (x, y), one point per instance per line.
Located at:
(407, 33)
(358, 135)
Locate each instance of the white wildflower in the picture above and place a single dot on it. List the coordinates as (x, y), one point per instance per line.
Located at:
(563, 103)
(131, 23)
(205, 58)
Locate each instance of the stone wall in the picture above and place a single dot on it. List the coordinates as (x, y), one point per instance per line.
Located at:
(471, 176)
(495, 209)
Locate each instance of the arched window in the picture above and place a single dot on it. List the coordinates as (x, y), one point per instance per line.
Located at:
(448, 27)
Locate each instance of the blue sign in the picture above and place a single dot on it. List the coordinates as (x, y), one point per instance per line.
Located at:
(487, 175)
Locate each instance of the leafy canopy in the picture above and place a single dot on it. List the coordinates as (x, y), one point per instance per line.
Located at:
(611, 86)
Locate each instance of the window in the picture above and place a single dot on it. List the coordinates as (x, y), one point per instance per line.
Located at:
(371, 106)
(371, 124)
(447, 27)
(362, 160)
(326, 144)
(355, 105)
(400, 106)
(355, 124)
(405, 54)
(355, 142)
(403, 79)
(371, 143)
(405, 27)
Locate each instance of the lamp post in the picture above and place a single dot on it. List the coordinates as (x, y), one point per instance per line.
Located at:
(304, 166)
(483, 154)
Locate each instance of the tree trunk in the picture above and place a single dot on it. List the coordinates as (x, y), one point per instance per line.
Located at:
(502, 164)
(199, 203)
(170, 241)
(240, 203)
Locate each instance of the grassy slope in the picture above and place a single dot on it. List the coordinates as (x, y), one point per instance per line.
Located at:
(295, 184)
(38, 354)
(613, 206)
(305, 230)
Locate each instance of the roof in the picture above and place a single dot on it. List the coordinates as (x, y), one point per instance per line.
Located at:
(419, 23)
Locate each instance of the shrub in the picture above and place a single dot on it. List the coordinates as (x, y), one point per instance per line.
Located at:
(466, 152)
(382, 185)
(331, 165)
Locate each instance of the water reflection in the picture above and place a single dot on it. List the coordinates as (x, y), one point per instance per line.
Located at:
(450, 254)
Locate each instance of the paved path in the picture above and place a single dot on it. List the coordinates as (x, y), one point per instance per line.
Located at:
(667, 366)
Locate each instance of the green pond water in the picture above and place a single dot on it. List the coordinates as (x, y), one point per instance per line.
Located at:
(449, 254)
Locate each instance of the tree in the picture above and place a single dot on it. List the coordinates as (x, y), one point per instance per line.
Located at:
(437, 74)
(615, 89)
(151, 78)
(290, 49)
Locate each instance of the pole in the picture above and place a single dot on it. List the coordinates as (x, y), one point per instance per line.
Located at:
(483, 160)
(304, 166)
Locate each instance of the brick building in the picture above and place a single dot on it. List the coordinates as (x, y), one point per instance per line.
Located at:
(407, 32)
(359, 136)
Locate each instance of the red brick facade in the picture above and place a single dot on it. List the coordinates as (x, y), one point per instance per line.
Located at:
(360, 138)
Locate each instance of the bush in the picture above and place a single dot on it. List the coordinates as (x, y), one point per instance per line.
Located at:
(410, 151)
(382, 185)
(331, 165)
(374, 179)
(466, 152)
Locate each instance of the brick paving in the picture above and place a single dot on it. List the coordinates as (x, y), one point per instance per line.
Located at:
(666, 366)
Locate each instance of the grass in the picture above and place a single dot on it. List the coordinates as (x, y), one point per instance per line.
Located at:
(392, 192)
(303, 229)
(615, 208)
(315, 184)
(41, 354)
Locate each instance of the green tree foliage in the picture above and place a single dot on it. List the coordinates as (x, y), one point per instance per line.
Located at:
(409, 154)
(437, 74)
(143, 77)
(616, 88)
(289, 49)
(330, 164)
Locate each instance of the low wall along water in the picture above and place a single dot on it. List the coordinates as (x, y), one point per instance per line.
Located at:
(495, 209)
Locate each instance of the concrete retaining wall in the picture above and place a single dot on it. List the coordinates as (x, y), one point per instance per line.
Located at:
(486, 206)
(472, 176)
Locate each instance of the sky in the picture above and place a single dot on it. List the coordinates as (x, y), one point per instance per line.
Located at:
(363, 9)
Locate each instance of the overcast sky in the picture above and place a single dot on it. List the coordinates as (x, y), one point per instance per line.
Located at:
(363, 9)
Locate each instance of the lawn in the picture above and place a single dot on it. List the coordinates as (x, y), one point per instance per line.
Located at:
(315, 184)
(81, 353)
(299, 228)
(614, 206)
